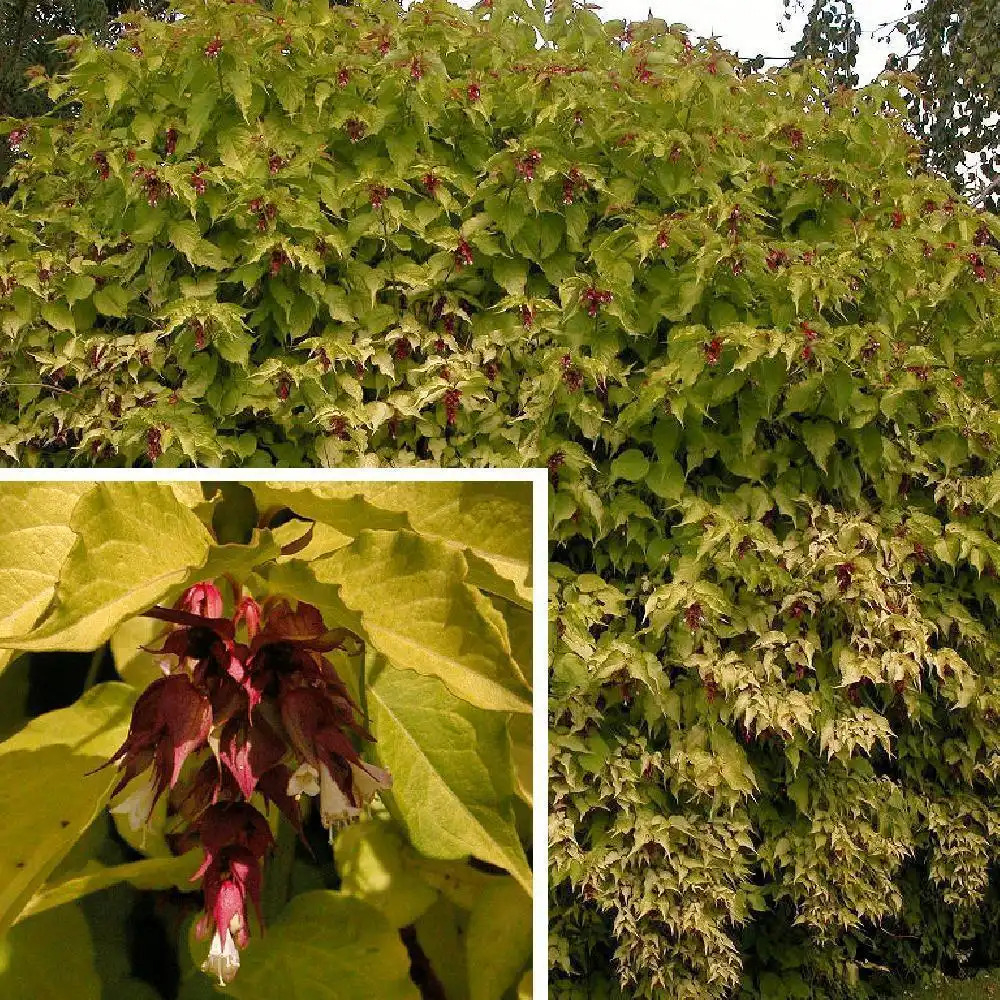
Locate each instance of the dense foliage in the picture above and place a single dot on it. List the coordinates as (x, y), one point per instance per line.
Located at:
(952, 48)
(751, 341)
(365, 635)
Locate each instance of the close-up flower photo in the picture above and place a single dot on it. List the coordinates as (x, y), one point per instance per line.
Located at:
(259, 737)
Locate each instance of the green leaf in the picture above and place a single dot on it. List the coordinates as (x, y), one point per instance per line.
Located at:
(78, 286)
(187, 238)
(200, 107)
(522, 755)
(666, 479)
(241, 87)
(441, 936)
(498, 940)
(492, 521)
(114, 87)
(508, 213)
(240, 560)
(417, 610)
(149, 873)
(301, 315)
(402, 149)
(323, 541)
(135, 543)
(450, 768)
(326, 946)
(297, 577)
(631, 465)
(510, 273)
(47, 797)
(50, 957)
(111, 300)
(58, 315)
(820, 436)
(341, 505)
(489, 522)
(135, 666)
(376, 865)
(15, 686)
(35, 539)
(233, 344)
(289, 89)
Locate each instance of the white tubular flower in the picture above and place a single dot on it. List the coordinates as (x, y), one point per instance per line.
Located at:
(304, 781)
(137, 807)
(369, 780)
(334, 806)
(223, 959)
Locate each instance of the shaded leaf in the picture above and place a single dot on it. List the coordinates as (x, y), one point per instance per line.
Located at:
(498, 940)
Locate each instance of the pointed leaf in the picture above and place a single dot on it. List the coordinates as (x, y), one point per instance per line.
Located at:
(419, 612)
(135, 542)
(35, 539)
(47, 798)
(149, 873)
(326, 946)
(451, 770)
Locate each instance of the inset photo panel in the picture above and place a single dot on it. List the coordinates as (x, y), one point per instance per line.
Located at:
(272, 738)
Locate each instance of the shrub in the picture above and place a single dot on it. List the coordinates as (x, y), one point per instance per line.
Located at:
(750, 340)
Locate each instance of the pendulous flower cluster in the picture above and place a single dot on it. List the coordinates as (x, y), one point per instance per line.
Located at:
(249, 705)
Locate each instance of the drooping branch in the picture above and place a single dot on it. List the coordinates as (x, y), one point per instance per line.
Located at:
(981, 197)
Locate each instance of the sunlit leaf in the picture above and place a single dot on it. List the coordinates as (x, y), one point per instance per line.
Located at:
(134, 543)
(35, 539)
(47, 797)
(326, 946)
(418, 611)
(451, 770)
(150, 873)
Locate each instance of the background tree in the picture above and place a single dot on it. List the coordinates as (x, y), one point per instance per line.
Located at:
(953, 49)
(28, 29)
(831, 33)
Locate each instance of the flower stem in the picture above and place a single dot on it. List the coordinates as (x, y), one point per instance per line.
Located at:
(94, 668)
(362, 688)
(278, 880)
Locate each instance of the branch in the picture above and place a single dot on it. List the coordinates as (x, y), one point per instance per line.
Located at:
(980, 198)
